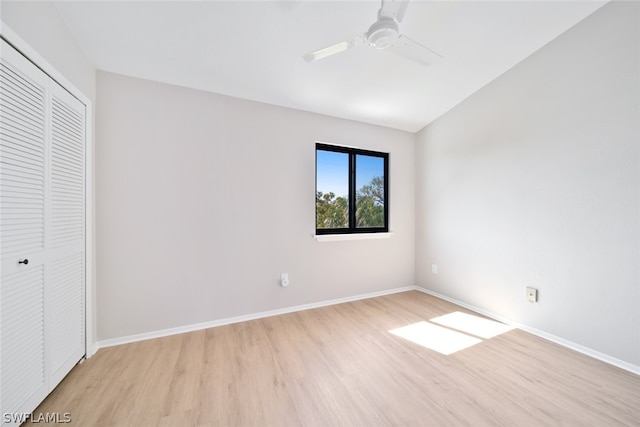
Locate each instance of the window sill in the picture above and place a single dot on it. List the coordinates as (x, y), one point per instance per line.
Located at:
(354, 236)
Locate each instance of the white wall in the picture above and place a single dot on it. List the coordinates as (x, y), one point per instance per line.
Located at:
(534, 181)
(203, 200)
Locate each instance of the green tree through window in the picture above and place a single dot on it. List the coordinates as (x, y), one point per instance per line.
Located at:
(331, 211)
(370, 204)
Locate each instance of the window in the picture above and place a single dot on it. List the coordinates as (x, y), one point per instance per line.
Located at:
(351, 190)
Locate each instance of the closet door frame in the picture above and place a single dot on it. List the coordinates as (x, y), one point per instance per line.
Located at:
(19, 44)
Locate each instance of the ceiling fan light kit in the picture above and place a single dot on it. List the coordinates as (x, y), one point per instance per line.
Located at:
(384, 34)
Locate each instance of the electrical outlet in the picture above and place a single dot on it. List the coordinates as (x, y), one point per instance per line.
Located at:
(434, 268)
(284, 280)
(532, 294)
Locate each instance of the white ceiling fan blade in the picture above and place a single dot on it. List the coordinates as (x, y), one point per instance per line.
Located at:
(393, 9)
(411, 49)
(336, 48)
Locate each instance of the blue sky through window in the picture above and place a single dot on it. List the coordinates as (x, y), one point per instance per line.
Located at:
(332, 171)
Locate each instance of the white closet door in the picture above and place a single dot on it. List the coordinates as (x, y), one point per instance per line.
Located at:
(23, 176)
(42, 233)
(66, 285)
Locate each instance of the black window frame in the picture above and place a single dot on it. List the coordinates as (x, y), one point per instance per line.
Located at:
(353, 152)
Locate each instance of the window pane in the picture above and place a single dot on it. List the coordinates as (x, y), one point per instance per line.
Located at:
(332, 189)
(369, 191)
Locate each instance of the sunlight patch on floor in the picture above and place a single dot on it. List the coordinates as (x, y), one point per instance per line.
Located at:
(470, 324)
(434, 337)
(451, 332)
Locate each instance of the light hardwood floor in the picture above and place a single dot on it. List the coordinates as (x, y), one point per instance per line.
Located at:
(340, 366)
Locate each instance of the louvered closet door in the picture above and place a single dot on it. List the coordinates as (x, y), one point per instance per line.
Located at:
(23, 175)
(65, 289)
(42, 233)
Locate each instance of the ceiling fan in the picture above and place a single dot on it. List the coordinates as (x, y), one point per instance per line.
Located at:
(383, 34)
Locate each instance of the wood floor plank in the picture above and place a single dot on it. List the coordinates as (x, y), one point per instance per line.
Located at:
(341, 366)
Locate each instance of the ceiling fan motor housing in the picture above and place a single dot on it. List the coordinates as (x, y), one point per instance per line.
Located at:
(383, 33)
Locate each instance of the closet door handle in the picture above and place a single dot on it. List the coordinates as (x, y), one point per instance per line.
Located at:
(24, 261)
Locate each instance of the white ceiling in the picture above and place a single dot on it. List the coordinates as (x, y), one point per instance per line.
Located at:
(253, 50)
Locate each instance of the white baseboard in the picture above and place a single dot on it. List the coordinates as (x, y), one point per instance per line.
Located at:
(561, 341)
(205, 325)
